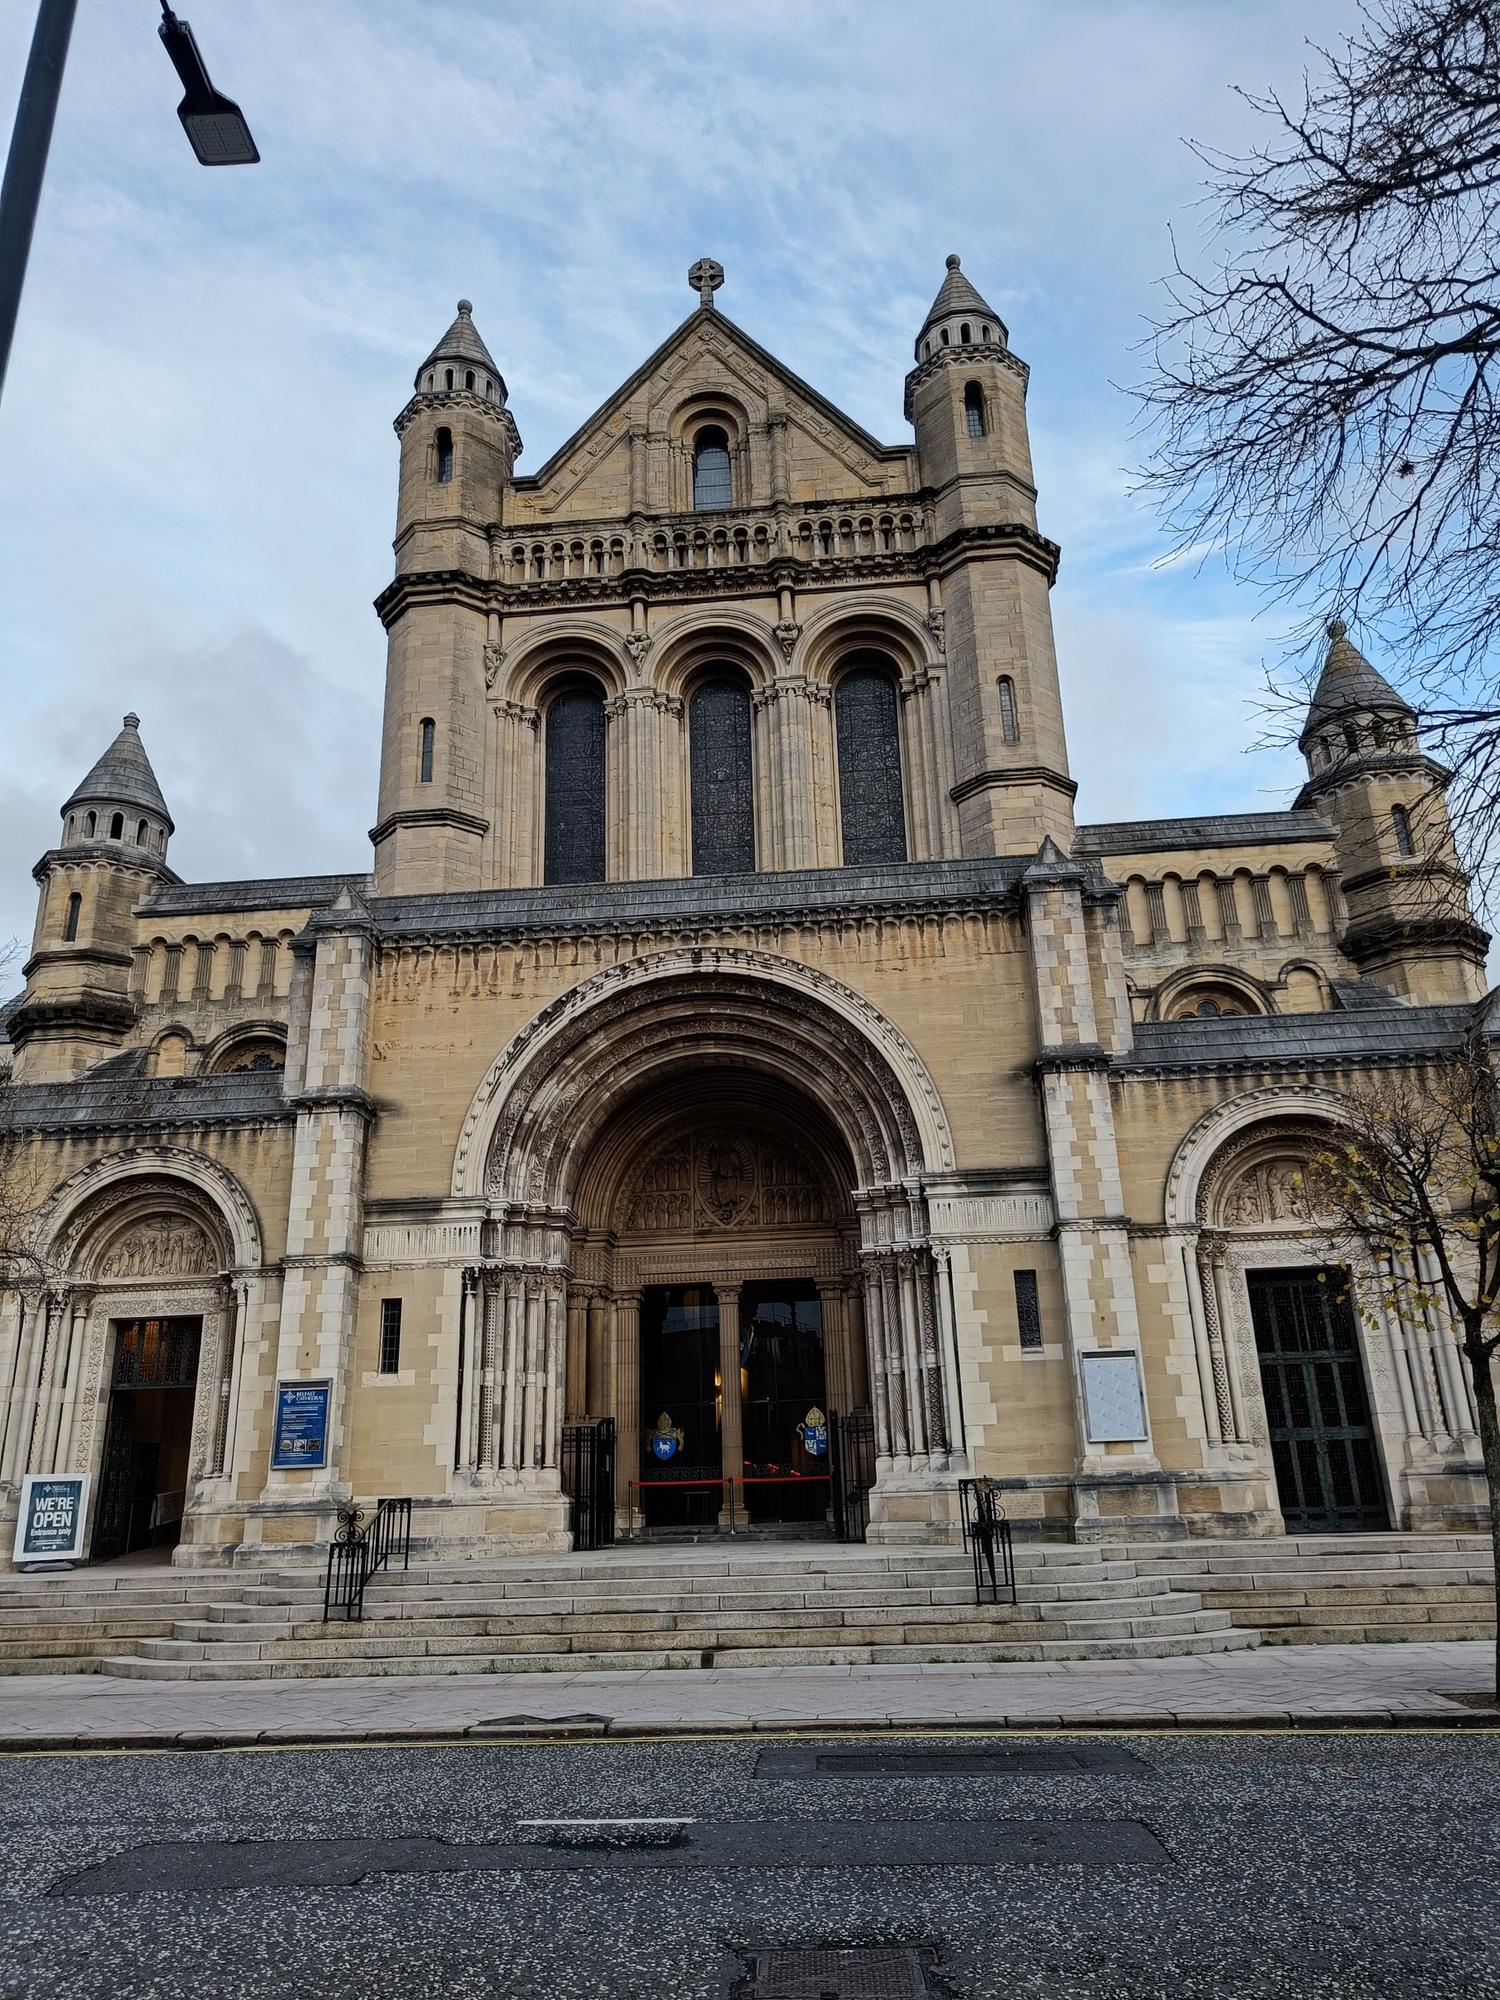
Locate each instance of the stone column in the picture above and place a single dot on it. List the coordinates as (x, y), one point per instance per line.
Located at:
(550, 1442)
(58, 1348)
(487, 1445)
(879, 1373)
(32, 1341)
(598, 1400)
(230, 1335)
(732, 1427)
(838, 1373)
(575, 1373)
(627, 1386)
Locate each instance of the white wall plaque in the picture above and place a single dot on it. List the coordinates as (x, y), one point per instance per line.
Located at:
(1114, 1407)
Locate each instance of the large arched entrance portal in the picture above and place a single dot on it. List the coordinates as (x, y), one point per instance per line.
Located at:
(721, 1203)
(703, 1175)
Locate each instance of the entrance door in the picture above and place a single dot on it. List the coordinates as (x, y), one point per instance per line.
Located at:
(680, 1449)
(1322, 1442)
(785, 1403)
(148, 1435)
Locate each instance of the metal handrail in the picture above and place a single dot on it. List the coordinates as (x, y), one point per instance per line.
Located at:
(357, 1553)
(987, 1537)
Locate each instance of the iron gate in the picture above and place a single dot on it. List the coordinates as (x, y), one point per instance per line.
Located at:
(851, 1467)
(588, 1470)
(1322, 1442)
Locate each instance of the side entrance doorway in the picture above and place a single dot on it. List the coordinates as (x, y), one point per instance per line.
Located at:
(147, 1436)
(1323, 1447)
(733, 1402)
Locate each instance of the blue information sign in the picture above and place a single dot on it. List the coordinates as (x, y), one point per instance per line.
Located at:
(301, 1426)
(49, 1527)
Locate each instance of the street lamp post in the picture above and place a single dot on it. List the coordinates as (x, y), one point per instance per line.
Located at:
(214, 124)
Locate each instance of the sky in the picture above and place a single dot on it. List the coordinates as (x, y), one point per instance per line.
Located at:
(197, 466)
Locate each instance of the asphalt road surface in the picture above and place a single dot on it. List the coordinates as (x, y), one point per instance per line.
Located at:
(962, 1868)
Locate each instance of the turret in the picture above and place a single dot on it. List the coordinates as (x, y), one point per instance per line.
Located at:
(77, 1007)
(459, 444)
(1409, 924)
(966, 400)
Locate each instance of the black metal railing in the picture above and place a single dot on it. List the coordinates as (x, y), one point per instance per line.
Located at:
(987, 1538)
(358, 1552)
(588, 1473)
(851, 1471)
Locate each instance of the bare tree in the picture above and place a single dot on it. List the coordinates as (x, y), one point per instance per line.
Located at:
(1412, 1179)
(1323, 393)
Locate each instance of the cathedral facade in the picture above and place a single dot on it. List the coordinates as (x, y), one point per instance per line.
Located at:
(738, 1049)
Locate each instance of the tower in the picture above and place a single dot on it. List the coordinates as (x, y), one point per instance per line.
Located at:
(77, 1007)
(1409, 925)
(459, 443)
(966, 399)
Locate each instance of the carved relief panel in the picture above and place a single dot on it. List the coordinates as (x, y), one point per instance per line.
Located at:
(721, 1178)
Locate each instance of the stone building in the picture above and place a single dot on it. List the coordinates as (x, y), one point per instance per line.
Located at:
(736, 1037)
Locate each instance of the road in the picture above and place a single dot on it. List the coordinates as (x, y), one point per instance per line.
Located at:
(1099, 1866)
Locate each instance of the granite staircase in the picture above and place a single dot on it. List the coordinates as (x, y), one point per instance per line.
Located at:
(634, 1610)
(1314, 1590)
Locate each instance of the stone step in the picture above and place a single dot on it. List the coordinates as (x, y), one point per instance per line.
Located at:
(1213, 1591)
(1376, 1634)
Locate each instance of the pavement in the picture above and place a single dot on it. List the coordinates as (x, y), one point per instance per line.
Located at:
(1410, 1685)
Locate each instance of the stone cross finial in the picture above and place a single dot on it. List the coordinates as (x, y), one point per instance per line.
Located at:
(705, 278)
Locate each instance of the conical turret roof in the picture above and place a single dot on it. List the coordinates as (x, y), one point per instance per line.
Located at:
(462, 343)
(1348, 685)
(957, 295)
(123, 777)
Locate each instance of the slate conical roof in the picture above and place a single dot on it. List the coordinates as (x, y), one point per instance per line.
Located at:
(123, 777)
(957, 295)
(462, 343)
(1348, 685)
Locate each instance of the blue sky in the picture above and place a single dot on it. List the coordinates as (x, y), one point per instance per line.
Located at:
(197, 468)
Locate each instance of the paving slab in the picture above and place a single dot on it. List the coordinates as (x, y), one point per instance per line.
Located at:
(1377, 1686)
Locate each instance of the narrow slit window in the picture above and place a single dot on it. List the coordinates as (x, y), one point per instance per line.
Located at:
(1028, 1312)
(70, 926)
(443, 452)
(712, 484)
(447, 378)
(142, 833)
(974, 419)
(468, 378)
(1406, 847)
(1009, 729)
(424, 758)
(390, 1336)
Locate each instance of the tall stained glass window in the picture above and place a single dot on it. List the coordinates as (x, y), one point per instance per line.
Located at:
(574, 843)
(867, 729)
(722, 785)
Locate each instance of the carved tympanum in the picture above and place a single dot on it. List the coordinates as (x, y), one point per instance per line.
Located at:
(1268, 1191)
(161, 1247)
(720, 1178)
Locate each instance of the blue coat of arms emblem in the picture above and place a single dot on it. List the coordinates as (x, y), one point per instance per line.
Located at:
(665, 1440)
(813, 1431)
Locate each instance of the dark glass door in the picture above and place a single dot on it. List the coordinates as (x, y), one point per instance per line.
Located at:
(785, 1403)
(680, 1445)
(148, 1435)
(1322, 1441)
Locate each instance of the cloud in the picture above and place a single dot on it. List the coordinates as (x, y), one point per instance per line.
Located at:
(197, 472)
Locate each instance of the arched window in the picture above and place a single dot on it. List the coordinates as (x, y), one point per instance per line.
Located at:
(443, 450)
(574, 843)
(489, 388)
(468, 378)
(72, 822)
(723, 791)
(964, 334)
(712, 486)
(1009, 728)
(1351, 739)
(117, 827)
(447, 378)
(943, 336)
(427, 737)
(984, 333)
(90, 825)
(974, 422)
(70, 925)
(866, 726)
(142, 833)
(926, 350)
(1401, 824)
(429, 378)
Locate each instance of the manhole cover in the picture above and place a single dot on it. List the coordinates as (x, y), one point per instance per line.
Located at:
(850, 1972)
(808, 1762)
